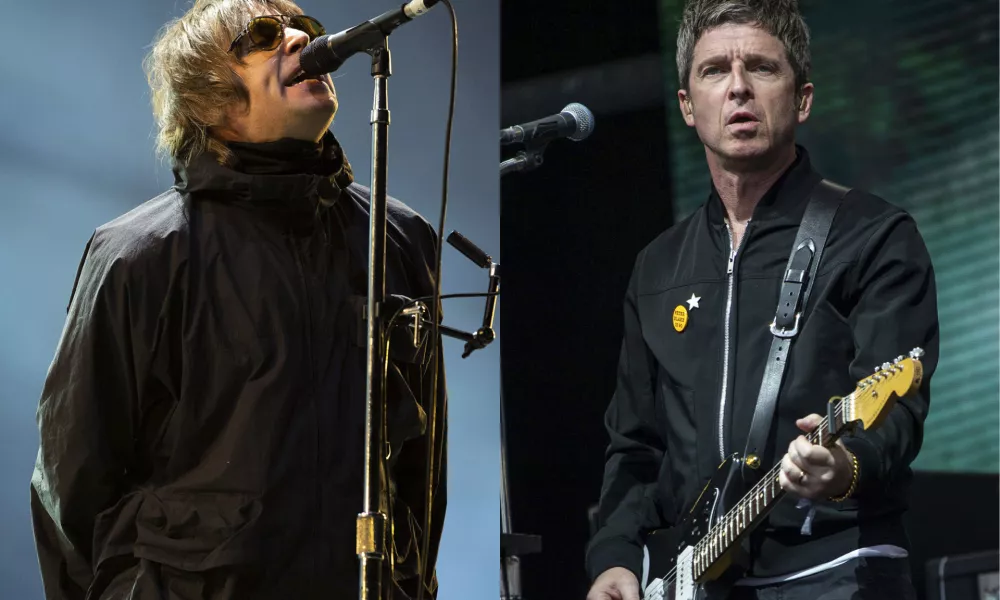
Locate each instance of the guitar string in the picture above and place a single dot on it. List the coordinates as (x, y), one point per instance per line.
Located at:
(838, 411)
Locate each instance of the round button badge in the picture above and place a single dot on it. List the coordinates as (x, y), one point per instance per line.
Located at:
(680, 318)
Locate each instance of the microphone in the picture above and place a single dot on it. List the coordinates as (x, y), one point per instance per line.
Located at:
(327, 53)
(575, 122)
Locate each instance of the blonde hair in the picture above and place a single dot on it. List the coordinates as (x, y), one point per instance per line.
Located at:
(191, 77)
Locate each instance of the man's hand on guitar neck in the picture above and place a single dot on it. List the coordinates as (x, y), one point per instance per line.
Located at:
(617, 583)
(812, 471)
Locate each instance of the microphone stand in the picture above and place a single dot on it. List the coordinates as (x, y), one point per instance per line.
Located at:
(514, 545)
(371, 523)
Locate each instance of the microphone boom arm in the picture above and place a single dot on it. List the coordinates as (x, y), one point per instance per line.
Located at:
(485, 334)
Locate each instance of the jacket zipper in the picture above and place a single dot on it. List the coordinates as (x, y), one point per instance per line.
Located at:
(730, 277)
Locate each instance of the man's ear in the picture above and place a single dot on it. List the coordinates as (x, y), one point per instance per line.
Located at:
(805, 104)
(687, 108)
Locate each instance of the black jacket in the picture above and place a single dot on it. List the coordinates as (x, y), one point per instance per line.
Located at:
(873, 299)
(202, 423)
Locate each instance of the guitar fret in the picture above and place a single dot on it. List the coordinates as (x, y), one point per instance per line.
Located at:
(740, 518)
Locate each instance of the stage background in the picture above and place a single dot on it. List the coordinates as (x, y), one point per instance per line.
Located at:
(77, 151)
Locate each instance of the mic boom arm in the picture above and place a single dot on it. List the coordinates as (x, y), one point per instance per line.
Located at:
(416, 313)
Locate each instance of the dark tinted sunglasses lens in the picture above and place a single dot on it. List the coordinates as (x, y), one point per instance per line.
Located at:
(309, 25)
(265, 32)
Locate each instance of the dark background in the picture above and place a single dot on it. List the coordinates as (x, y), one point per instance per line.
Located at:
(569, 234)
(571, 229)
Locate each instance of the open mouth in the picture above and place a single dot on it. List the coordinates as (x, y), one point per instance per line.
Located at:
(300, 77)
(742, 117)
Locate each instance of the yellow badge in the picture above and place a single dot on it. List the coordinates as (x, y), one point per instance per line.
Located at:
(680, 318)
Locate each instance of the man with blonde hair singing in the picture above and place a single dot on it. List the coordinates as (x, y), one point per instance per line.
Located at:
(202, 422)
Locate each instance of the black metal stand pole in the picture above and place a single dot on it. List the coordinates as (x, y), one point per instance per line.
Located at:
(510, 573)
(371, 524)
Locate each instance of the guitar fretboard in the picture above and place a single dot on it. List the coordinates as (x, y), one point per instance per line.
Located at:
(871, 398)
(761, 498)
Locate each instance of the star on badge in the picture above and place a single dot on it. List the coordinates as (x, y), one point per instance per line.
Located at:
(693, 301)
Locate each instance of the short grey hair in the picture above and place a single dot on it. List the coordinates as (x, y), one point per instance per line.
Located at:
(780, 18)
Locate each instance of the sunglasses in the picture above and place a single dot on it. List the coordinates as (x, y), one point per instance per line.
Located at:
(265, 33)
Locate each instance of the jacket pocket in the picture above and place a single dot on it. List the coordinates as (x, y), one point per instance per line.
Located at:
(197, 531)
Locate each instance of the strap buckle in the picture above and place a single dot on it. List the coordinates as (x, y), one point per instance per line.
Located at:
(786, 333)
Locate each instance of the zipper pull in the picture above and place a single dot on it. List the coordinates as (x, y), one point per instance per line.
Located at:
(732, 258)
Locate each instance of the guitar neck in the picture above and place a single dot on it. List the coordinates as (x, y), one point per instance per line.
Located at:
(755, 505)
(866, 407)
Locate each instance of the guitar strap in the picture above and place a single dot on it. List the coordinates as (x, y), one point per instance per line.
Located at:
(800, 274)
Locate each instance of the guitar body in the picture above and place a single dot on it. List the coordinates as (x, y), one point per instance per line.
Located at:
(667, 548)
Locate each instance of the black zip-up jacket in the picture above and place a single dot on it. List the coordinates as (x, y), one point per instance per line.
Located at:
(873, 300)
(202, 423)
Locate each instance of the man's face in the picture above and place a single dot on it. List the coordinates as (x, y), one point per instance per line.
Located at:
(741, 96)
(276, 110)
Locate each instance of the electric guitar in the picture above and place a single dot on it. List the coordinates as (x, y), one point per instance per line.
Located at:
(702, 556)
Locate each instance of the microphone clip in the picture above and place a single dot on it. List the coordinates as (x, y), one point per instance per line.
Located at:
(525, 160)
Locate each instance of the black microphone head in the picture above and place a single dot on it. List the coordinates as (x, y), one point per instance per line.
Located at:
(317, 58)
(584, 121)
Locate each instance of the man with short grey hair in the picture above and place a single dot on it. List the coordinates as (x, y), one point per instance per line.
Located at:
(696, 337)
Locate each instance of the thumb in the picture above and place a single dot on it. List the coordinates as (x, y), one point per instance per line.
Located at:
(807, 424)
(630, 589)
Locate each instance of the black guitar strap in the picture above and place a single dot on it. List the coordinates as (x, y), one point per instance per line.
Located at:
(803, 263)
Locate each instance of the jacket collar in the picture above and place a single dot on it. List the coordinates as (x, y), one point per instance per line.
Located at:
(302, 179)
(785, 200)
